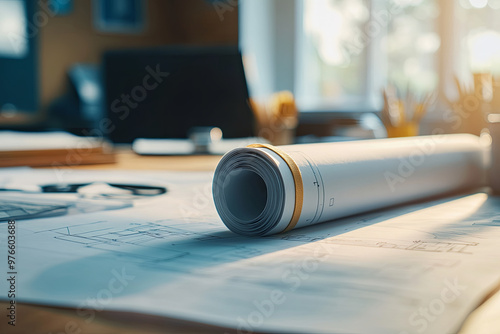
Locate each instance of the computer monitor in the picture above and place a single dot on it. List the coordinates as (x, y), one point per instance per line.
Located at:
(164, 92)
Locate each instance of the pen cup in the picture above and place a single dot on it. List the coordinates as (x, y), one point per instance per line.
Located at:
(494, 174)
(403, 130)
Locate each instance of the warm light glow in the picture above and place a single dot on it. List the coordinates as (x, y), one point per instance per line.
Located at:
(325, 22)
(478, 3)
(484, 49)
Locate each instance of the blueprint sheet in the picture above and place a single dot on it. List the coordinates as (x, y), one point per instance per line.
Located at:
(414, 269)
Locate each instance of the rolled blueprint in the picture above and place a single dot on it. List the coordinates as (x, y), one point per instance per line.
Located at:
(262, 190)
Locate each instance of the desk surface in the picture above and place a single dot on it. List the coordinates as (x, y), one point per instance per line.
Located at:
(126, 159)
(44, 319)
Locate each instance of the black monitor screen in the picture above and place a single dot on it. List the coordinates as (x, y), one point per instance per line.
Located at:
(164, 92)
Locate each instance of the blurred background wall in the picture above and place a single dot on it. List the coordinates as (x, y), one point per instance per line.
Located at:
(70, 39)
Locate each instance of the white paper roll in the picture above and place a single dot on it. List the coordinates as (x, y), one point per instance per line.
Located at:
(265, 190)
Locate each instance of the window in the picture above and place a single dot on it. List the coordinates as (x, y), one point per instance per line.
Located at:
(479, 41)
(411, 45)
(351, 48)
(345, 51)
(333, 68)
(13, 39)
(18, 61)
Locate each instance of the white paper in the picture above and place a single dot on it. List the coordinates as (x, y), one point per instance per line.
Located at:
(163, 146)
(255, 193)
(147, 146)
(27, 141)
(416, 269)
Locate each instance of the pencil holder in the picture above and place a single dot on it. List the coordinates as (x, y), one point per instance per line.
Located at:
(403, 130)
(276, 119)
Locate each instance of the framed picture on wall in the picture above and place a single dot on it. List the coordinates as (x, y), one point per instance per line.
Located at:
(119, 16)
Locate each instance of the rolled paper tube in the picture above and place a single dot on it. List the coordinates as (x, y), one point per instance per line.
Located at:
(262, 190)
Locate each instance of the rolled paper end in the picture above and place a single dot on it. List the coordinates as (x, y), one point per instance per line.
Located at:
(297, 181)
(250, 190)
